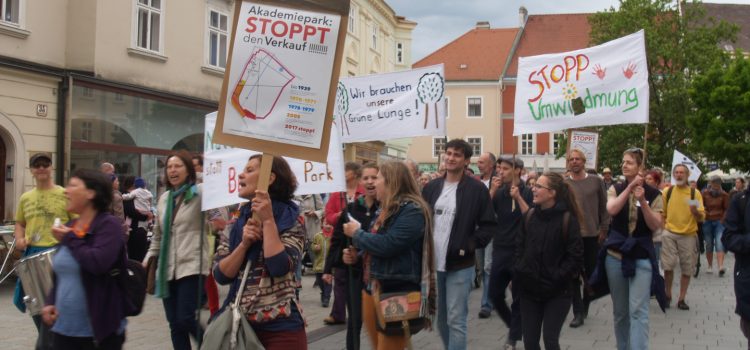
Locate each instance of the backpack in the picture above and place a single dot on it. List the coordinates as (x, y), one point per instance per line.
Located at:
(132, 282)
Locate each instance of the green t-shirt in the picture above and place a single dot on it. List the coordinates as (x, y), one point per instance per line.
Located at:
(38, 210)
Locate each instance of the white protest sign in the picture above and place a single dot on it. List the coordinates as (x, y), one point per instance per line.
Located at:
(222, 165)
(601, 85)
(588, 143)
(679, 158)
(282, 64)
(392, 105)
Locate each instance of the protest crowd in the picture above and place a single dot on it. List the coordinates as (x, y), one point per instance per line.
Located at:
(552, 242)
(395, 249)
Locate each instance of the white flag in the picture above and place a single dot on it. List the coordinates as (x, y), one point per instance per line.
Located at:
(679, 158)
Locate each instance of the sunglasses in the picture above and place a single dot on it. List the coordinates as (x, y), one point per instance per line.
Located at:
(635, 150)
(41, 165)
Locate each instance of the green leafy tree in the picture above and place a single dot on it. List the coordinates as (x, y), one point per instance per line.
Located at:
(720, 125)
(678, 47)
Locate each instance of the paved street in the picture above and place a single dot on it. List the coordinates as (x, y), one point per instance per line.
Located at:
(710, 323)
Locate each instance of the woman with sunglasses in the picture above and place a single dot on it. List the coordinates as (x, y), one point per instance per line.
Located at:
(549, 254)
(628, 257)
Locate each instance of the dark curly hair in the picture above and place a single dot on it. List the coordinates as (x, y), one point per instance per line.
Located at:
(285, 184)
(100, 184)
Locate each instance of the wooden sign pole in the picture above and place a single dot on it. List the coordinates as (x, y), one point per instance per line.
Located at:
(513, 182)
(264, 178)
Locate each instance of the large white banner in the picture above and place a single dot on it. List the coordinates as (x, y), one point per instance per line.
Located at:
(601, 85)
(679, 158)
(392, 105)
(281, 66)
(222, 166)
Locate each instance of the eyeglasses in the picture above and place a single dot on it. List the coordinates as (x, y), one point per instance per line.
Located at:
(538, 186)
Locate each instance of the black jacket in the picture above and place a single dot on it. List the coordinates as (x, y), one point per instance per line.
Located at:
(736, 239)
(546, 262)
(473, 225)
(360, 212)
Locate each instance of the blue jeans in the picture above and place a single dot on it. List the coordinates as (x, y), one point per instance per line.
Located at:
(712, 232)
(180, 309)
(487, 268)
(630, 301)
(453, 306)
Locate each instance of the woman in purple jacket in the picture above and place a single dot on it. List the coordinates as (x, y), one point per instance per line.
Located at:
(85, 308)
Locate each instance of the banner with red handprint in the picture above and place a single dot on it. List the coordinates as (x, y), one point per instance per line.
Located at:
(601, 85)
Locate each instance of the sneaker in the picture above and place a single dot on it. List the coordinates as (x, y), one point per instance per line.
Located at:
(510, 345)
(722, 272)
(484, 313)
(682, 305)
(710, 270)
(324, 303)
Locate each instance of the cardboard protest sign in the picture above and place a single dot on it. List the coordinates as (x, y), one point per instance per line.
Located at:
(279, 86)
(222, 166)
(588, 142)
(392, 105)
(679, 158)
(601, 85)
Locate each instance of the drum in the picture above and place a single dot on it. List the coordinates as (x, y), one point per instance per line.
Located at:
(37, 277)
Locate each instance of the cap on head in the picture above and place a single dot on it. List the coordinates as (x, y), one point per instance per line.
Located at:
(715, 180)
(607, 171)
(515, 163)
(38, 156)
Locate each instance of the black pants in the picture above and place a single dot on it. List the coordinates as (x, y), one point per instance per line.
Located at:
(180, 309)
(354, 308)
(745, 328)
(501, 274)
(113, 342)
(45, 340)
(543, 316)
(590, 251)
(137, 244)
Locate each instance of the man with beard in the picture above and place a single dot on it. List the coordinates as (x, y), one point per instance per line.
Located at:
(683, 210)
(592, 199)
(510, 200)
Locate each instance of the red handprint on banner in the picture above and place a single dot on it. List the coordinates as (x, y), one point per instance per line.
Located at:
(629, 70)
(599, 72)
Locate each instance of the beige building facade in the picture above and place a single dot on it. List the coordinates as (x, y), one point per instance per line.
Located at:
(129, 81)
(377, 41)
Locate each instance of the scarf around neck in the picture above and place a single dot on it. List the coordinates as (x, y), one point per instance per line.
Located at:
(189, 190)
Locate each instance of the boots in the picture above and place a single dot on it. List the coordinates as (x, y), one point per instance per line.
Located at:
(577, 321)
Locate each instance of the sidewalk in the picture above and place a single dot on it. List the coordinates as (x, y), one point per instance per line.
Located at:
(709, 324)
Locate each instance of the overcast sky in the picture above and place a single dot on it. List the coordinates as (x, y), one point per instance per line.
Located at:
(441, 21)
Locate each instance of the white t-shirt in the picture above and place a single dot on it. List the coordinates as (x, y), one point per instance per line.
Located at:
(445, 212)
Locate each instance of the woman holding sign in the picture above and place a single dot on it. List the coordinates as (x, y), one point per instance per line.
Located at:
(271, 246)
(398, 258)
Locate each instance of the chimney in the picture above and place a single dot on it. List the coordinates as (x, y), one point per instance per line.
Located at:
(483, 25)
(523, 14)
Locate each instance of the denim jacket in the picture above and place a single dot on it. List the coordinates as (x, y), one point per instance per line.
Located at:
(396, 249)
